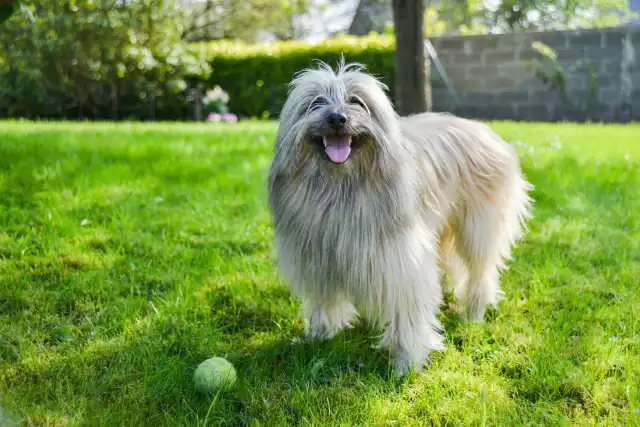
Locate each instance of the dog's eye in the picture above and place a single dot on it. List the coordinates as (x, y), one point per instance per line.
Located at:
(357, 101)
(317, 103)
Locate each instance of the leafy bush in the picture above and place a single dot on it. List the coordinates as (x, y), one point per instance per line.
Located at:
(96, 59)
(257, 76)
(126, 60)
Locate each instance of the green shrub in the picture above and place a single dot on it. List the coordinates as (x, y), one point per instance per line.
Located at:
(257, 76)
(75, 60)
(96, 59)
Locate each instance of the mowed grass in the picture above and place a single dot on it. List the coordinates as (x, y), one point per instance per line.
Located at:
(129, 253)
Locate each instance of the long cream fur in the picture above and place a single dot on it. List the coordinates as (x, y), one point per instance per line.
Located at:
(371, 235)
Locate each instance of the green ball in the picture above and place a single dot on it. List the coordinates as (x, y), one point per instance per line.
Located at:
(214, 374)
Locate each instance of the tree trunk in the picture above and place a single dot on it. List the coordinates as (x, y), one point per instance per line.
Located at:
(410, 65)
(371, 15)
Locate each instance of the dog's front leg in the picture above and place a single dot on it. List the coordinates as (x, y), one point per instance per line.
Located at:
(413, 298)
(328, 316)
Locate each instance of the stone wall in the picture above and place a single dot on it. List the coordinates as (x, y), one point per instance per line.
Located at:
(499, 77)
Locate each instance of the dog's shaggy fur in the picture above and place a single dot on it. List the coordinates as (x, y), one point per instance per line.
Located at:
(371, 234)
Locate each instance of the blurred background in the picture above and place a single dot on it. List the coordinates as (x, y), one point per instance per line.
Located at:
(228, 60)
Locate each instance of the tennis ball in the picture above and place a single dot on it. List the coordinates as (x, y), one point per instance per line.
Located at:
(214, 374)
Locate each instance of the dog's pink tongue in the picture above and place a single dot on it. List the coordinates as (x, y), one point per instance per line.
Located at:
(337, 148)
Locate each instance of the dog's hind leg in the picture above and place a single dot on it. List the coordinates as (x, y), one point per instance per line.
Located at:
(484, 238)
(454, 269)
(327, 317)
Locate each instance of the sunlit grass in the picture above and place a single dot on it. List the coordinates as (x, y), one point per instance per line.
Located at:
(131, 252)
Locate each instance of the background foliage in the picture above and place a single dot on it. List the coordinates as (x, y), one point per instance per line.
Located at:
(247, 20)
(257, 76)
(136, 59)
(96, 59)
(464, 17)
(143, 72)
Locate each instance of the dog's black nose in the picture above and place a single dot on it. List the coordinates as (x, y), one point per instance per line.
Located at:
(336, 120)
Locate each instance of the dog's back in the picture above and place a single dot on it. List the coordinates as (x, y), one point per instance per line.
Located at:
(446, 129)
(459, 152)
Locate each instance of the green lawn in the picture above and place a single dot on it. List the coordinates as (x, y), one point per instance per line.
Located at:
(129, 253)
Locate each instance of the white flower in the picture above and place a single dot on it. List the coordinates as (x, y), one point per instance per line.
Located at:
(216, 94)
(221, 94)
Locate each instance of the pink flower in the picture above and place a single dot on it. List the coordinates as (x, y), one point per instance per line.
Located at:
(229, 117)
(214, 117)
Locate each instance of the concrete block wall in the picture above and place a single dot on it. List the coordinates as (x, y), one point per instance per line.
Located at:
(496, 75)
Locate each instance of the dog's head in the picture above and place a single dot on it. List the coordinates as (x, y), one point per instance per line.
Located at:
(335, 120)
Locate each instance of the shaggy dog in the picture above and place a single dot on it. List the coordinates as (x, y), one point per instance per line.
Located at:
(369, 207)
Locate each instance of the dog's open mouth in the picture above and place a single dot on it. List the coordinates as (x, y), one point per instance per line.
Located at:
(338, 148)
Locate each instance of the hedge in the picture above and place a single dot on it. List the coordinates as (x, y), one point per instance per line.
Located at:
(256, 77)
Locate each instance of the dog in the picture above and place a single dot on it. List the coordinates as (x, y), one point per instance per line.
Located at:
(373, 212)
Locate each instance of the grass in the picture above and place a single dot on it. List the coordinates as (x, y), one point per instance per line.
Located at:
(129, 253)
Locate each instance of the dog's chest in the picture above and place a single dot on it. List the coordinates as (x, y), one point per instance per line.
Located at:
(347, 220)
(338, 237)
(335, 217)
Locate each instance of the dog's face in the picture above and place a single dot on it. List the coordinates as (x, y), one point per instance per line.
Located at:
(337, 125)
(334, 119)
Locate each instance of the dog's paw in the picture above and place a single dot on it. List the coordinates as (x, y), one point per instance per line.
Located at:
(320, 333)
(319, 328)
(403, 364)
(325, 325)
(401, 367)
(477, 309)
(474, 315)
